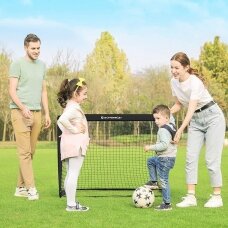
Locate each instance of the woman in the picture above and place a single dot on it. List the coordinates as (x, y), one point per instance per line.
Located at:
(206, 124)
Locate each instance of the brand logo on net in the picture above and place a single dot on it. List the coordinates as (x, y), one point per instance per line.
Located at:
(111, 117)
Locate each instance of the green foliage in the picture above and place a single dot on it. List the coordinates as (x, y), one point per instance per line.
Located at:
(214, 57)
(6, 128)
(107, 71)
(213, 63)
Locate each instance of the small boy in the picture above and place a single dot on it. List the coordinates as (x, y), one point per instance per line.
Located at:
(160, 165)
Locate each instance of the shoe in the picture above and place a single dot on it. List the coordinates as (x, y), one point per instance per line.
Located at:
(21, 192)
(152, 185)
(188, 201)
(78, 207)
(214, 201)
(164, 207)
(33, 194)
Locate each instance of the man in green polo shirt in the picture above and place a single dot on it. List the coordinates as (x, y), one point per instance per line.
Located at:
(27, 89)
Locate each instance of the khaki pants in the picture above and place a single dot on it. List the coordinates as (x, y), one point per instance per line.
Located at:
(26, 133)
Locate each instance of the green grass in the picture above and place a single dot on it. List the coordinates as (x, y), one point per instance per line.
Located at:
(107, 208)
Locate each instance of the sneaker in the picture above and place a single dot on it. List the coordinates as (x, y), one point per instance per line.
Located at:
(188, 201)
(21, 192)
(78, 207)
(152, 185)
(164, 207)
(33, 194)
(214, 201)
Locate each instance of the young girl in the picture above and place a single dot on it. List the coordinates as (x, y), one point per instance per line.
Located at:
(206, 124)
(74, 138)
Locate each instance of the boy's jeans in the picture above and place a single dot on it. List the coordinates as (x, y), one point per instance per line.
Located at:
(159, 167)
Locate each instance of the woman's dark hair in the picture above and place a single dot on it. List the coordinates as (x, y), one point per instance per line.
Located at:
(31, 38)
(183, 59)
(67, 88)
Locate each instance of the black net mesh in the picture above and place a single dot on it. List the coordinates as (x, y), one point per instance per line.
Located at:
(115, 158)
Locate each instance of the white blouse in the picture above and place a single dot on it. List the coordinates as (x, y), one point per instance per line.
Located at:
(190, 89)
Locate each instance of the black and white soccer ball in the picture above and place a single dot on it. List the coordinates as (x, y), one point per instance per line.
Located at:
(143, 197)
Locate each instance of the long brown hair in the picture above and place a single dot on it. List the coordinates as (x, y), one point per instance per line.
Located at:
(183, 59)
(67, 88)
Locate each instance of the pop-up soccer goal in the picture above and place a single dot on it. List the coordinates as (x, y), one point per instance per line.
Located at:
(115, 158)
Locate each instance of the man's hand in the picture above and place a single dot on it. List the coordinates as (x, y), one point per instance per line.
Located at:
(47, 123)
(26, 112)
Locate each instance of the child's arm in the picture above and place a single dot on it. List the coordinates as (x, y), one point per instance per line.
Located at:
(164, 139)
(64, 121)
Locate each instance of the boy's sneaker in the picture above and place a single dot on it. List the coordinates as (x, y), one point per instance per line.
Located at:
(153, 185)
(214, 201)
(164, 207)
(78, 207)
(21, 192)
(188, 201)
(33, 194)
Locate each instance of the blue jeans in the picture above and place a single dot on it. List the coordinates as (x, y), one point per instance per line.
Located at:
(159, 167)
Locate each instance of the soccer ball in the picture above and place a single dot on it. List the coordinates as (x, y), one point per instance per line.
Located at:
(143, 197)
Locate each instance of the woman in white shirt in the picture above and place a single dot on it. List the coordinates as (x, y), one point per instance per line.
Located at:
(206, 123)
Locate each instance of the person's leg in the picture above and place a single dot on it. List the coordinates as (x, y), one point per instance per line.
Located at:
(164, 166)
(21, 128)
(67, 172)
(152, 168)
(35, 130)
(214, 146)
(75, 165)
(194, 145)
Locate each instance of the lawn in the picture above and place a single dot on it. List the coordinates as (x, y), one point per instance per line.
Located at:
(107, 208)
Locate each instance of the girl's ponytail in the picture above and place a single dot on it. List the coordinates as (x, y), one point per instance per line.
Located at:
(63, 93)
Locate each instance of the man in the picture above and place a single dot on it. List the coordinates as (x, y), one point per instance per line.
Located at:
(27, 89)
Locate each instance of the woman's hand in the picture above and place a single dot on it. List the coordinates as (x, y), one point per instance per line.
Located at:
(177, 136)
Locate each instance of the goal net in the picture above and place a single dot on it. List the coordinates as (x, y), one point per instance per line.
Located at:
(115, 158)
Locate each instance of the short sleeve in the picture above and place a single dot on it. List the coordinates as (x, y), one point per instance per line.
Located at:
(172, 89)
(197, 89)
(14, 71)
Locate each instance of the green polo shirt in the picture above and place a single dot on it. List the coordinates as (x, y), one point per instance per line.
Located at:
(30, 76)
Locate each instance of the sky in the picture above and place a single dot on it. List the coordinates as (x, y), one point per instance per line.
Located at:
(148, 31)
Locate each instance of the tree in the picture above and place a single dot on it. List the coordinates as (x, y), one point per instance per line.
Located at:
(107, 72)
(5, 61)
(214, 58)
(63, 66)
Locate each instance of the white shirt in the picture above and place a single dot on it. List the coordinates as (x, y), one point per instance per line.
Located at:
(190, 89)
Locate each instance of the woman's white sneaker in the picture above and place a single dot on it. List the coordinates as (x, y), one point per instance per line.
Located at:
(33, 194)
(188, 201)
(214, 201)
